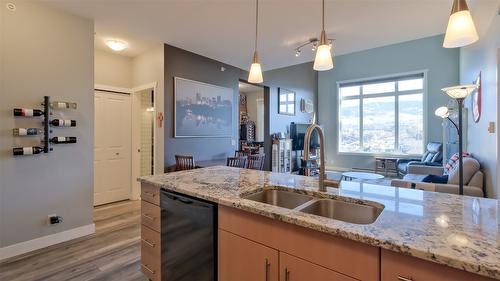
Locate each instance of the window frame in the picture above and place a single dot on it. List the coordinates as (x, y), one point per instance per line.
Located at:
(287, 101)
(394, 77)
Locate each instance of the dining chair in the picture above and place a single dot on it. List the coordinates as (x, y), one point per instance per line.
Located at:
(184, 162)
(240, 153)
(237, 162)
(256, 162)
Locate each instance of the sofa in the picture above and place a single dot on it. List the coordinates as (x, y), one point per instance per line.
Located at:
(433, 156)
(473, 177)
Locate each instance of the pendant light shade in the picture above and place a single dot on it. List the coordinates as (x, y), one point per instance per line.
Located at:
(255, 73)
(461, 30)
(323, 60)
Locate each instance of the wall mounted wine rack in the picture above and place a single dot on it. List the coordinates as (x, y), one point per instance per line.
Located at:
(47, 140)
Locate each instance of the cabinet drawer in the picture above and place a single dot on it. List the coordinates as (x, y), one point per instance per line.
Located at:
(150, 241)
(293, 268)
(150, 193)
(151, 265)
(151, 216)
(398, 267)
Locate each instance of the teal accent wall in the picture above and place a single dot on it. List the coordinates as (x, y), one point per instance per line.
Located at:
(442, 67)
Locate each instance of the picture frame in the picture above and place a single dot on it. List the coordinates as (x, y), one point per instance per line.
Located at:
(286, 102)
(476, 100)
(202, 110)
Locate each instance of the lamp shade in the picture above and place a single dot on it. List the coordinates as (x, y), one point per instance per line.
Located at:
(461, 30)
(255, 73)
(442, 112)
(459, 92)
(323, 60)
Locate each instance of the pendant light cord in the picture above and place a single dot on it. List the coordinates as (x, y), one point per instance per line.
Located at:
(323, 17)
(256, 23)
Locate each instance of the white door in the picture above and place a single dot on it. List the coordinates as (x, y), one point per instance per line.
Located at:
(112, 145)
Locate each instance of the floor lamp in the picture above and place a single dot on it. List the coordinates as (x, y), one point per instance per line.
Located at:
(458, 93)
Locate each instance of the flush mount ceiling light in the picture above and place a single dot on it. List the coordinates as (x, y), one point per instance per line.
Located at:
(323, 60)
(116, 45)
(255, 73)
(461, 30)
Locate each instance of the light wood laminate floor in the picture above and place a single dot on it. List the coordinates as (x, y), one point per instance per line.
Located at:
(112, 253)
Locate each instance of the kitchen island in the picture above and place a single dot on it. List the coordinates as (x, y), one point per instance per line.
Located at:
(432, 235)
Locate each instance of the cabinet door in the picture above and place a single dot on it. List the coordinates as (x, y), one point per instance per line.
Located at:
(295, 269)
(397, 267)
(244, 260)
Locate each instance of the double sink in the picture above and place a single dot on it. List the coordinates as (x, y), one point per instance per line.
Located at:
(337, 209)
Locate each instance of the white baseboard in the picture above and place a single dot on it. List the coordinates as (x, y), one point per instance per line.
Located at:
(45, 241)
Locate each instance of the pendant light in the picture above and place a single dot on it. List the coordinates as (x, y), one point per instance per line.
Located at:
(255, 73)
(461, 30)
(323, 60)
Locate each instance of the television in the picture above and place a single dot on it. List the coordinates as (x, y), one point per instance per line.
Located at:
(297, 133)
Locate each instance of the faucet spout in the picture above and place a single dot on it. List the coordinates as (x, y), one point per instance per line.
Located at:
(307, 141)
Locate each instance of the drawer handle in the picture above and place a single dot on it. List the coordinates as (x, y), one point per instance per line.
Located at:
(402, 278)
(148, 217)
(150, 244)
(287, 274)
(148, 193)
(267, 265)
(148, 269)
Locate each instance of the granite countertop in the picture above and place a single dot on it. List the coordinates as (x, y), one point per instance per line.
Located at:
(458, 231)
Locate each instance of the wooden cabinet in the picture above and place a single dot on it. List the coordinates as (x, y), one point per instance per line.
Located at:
(398, 267)
(244, 260)
(342, 256)
(150, 232)
(295, 269)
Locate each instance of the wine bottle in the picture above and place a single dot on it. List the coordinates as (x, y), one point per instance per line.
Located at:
(29, 150)
(63, 104)
(58, 140)
(63, 123)
(27, 112)
(27, 131)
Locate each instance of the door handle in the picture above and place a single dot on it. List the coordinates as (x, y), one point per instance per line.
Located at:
(149, 193)
(148, 269)
(148, 217)
(402, 278)
(150, 244)
(267, 266)
(287, 274)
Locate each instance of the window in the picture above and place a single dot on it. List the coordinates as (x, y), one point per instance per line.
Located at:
(286, 102)
(382, 116)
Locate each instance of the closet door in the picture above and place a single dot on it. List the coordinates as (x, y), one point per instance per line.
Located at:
(112, 147)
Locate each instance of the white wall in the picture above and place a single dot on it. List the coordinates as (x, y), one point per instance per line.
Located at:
(45, 52)
(482, 57)
(112, 69)
(148, 68)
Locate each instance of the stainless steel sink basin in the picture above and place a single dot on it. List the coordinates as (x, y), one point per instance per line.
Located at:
(280, 198)
(344, 211)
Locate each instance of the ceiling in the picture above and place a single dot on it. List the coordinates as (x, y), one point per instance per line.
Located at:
(224, 29)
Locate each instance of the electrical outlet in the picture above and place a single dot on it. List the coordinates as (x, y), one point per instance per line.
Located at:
(54, 219)
(491, 127)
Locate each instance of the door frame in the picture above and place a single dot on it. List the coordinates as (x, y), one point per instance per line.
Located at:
(136, 142)
(122, 91)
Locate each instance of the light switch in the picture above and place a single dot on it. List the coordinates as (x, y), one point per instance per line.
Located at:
(491, 127)
(233, 142)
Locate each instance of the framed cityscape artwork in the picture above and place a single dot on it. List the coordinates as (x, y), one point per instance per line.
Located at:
(202, 110)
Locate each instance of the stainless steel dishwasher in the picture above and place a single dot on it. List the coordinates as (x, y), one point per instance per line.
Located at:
(189, 238)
